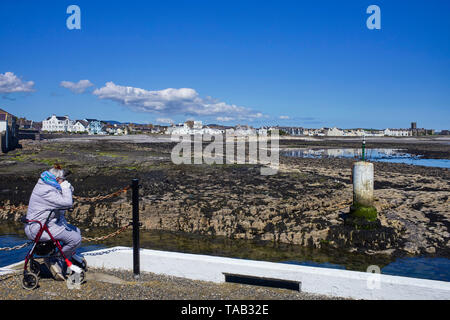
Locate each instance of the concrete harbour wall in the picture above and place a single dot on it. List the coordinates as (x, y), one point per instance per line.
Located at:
(333, 282)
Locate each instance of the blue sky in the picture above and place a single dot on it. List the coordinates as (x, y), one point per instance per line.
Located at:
(303, 63)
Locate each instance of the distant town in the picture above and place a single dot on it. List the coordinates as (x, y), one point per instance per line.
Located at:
(13, 128)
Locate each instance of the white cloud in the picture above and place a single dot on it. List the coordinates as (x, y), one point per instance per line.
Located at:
(224, 119)
(10, 83)
(78, 87)
(164, 120)
(284, 117)
(169, 101)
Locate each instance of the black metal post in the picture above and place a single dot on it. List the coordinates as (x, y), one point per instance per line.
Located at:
(135, 198)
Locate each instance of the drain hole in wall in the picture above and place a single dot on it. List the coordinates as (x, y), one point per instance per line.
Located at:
(263, 282)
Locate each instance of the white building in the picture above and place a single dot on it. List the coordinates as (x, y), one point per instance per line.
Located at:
(375, 133)
(397, 132)
(244, 131)
(192, 128)
(57, 124)
(355, 132)
(212, 131)
(334, 132)
(312, 132)
(79, 126)
(197, 125)
(179, 129)
(116, 130)
(64, 124)
(262, 131)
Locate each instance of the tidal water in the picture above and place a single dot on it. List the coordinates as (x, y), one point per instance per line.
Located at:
(382, 155)
(437, 268)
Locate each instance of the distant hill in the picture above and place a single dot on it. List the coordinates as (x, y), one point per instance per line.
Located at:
(113, 122)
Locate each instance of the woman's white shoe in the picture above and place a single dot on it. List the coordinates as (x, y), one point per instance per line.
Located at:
(56, 271)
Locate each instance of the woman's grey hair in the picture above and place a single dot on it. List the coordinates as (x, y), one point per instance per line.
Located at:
(58, 173)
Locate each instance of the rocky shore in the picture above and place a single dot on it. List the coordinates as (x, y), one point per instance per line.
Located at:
(304, 204)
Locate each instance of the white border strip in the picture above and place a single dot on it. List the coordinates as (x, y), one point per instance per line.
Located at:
(10, 269)
(332, 282)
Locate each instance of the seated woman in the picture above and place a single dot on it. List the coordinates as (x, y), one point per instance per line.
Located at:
(52, 191)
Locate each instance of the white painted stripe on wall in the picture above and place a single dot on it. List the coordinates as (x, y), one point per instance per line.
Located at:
(334, 282)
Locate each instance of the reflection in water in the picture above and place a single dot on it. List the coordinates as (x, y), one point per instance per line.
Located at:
(430, 268)
(383, 155)
(345, 153)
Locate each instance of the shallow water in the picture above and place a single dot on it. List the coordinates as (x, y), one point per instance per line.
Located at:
(11, 234)
(383, 155)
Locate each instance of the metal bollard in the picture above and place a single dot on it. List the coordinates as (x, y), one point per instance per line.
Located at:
(135, 199)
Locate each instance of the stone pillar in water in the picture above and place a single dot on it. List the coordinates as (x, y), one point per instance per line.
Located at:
(363, 191)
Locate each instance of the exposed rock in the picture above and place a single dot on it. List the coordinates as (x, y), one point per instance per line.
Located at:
(305, 203)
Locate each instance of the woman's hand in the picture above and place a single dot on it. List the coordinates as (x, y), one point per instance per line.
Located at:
(66, 184)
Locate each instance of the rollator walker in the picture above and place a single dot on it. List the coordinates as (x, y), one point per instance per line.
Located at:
(47, 249)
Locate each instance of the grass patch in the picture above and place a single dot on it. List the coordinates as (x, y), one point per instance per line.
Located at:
(111, 155)
(20, 158)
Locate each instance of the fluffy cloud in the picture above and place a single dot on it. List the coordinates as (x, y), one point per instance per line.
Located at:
(10, 83)
(78, 87)
(284, 117)
(184, 101)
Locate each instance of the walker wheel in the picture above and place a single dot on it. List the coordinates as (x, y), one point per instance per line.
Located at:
(30, 281)
(84, 265)
(35, 267)
(82, 276)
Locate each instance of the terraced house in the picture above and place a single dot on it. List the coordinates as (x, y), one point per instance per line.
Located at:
(95, 126)
(80, 126)
(64, 124)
